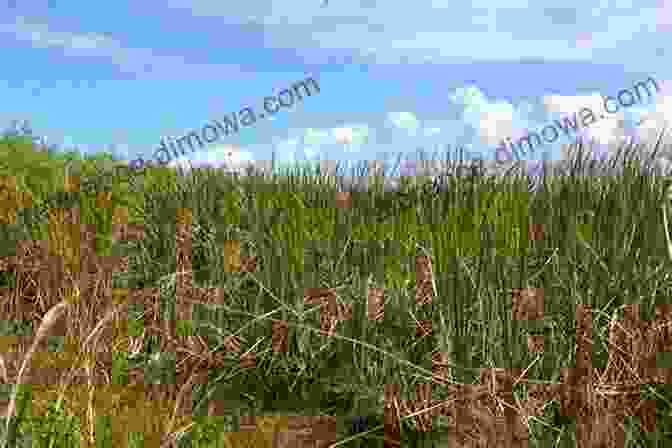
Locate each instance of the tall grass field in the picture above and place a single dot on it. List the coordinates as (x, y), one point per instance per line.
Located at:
(163, 309)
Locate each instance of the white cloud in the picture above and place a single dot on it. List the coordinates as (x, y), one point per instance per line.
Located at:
(570, 105)
(652, 124)
(350, 135)
(492, 121)
(605, 131)
(343, 135)
(470, 97)
(135, 60)
(663, 107)
(495, 124)
(486, 31)
(316, 137)
(404, 120)
(226, 156)
(496, 121)
(609, 128)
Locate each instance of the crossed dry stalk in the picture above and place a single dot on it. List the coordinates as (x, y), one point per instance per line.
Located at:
(49, 320)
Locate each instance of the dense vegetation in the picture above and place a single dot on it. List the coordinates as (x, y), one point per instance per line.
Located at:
(603, 244)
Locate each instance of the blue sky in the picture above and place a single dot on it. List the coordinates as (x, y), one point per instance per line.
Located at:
(393, 76)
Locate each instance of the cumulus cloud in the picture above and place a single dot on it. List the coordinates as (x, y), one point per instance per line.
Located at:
(492, 121)
(349, 135)
(392, 34)
(316, 137)
(470, 97)
(404, 120)
(227, 157)
(661, 115)
(495, 121)
(606, 130)
(494, 124)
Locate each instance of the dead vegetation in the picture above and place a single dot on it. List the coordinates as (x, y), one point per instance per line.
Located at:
(483, 414)
(65, 289)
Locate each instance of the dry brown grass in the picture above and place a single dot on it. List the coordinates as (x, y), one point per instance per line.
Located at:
(68, 298)
(485, 414)
(79, 377)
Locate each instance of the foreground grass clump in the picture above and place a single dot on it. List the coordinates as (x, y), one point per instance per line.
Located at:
(159, 309)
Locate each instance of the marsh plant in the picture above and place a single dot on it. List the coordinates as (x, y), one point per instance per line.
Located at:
(292, 296)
